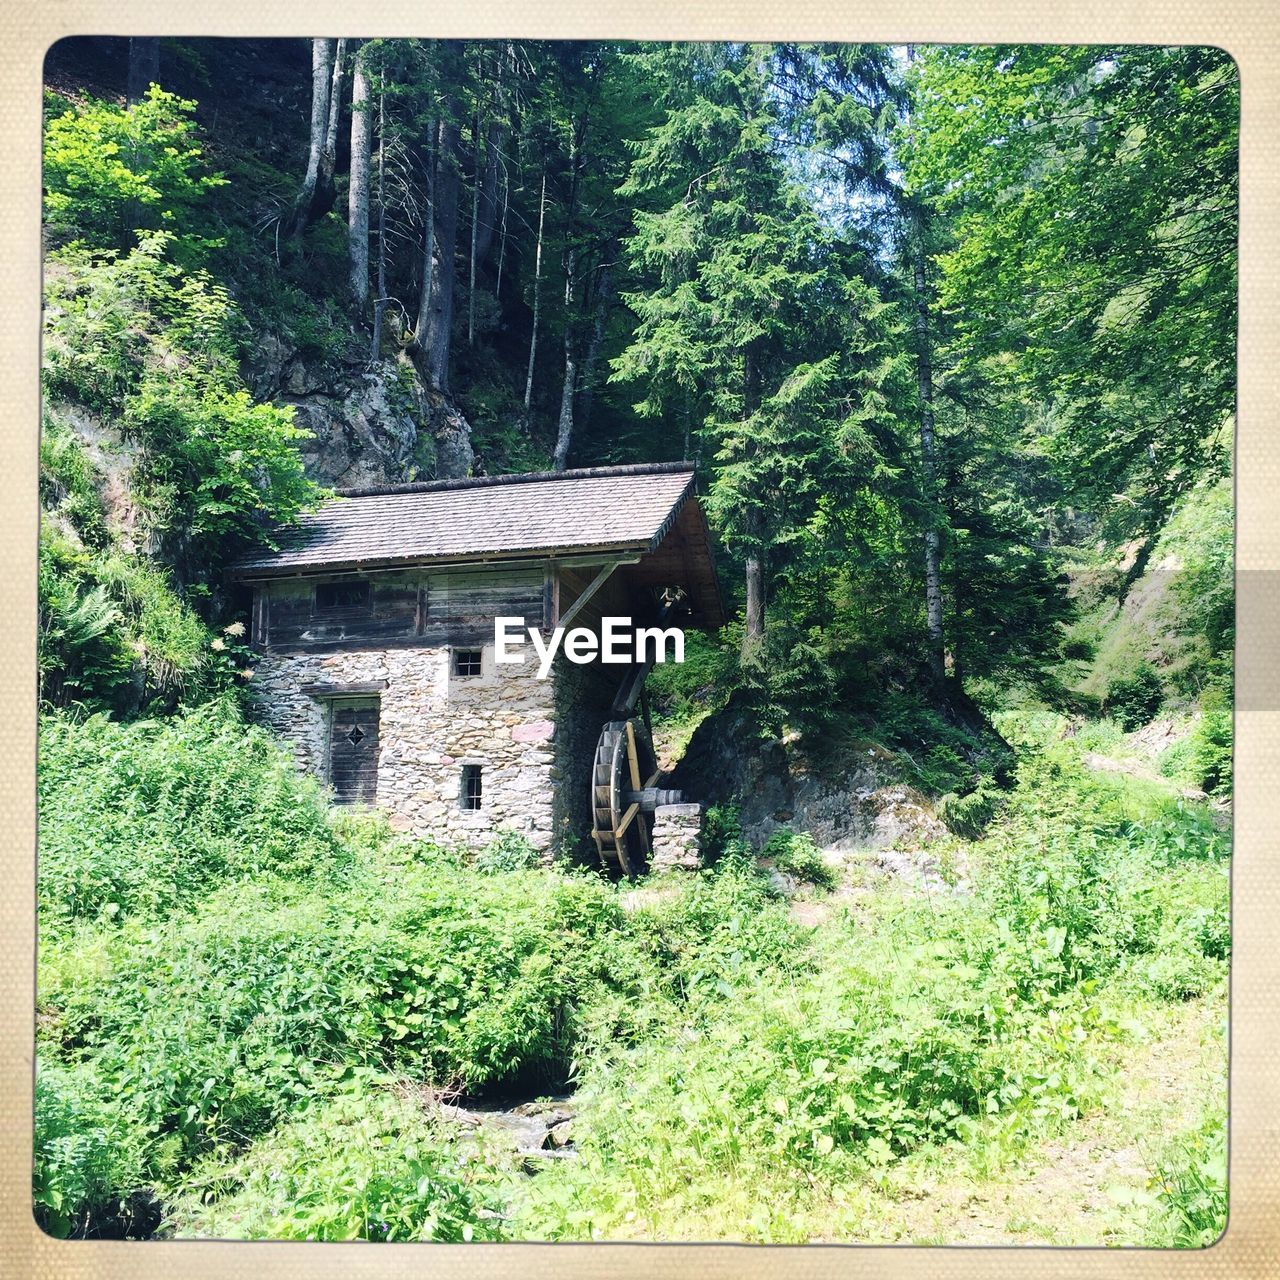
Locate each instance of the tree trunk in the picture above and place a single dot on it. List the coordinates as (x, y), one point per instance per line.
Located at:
(537, 293)
(753, 634)
(489, 190)
(305, 206)
(423, 327)
(928, 465)
(502, 250)
(358, 198)
(440, 321)
(144, 66)
(380, 302)
(604, 284)
(329, 156)
(564, 428)
(477, 181)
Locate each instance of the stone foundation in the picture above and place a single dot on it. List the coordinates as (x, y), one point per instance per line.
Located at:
(677, 838)
(431, 724)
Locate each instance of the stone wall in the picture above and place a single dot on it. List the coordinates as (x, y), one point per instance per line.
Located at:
(431, 724)
(677, 837)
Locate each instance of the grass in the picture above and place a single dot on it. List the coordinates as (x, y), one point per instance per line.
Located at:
(247, 1045)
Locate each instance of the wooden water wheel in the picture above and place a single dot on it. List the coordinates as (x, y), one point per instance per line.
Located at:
(623, 795)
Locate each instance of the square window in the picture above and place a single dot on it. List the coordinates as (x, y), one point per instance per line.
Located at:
(471, 791)
(353, 593)
(467, 662)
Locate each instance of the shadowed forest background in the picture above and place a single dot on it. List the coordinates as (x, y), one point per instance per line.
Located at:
(950, 333)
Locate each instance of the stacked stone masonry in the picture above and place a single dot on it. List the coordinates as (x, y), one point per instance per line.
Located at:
(677, 837)
(432, 725)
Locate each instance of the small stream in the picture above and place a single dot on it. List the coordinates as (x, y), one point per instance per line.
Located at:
(538, 1129)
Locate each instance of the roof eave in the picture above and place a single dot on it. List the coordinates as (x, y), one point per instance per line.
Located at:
(530, 555)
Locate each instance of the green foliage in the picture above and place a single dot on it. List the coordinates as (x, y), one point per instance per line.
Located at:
(1134, 699)
(154, 350)
(110, 171)
(88, 1160)
(1212, 743)
(507, 851)
(361, 1166)
(83, 655)
(797, 854)
(1199, 542)
(1191, 1186)
(969, 815)
(1095, 196)
(140, 818)
(136, 336)
(224, 1038)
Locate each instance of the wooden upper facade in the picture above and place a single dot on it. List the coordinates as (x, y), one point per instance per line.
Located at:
(434, 564)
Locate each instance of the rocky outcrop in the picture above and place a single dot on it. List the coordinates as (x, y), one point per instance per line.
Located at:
(727, 761)
(856, 813)
(371, 422)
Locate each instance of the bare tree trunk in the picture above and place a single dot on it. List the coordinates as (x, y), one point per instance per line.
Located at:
(604, 285)
(489, 191)
(564, 429)
(440, 321)
(380, 302)
(476, 182)
(537, 293)
(928, 466)
(502, 251)
(304, 208)
(144, 66)
(329, 157)
(358, 196)
(422, 328)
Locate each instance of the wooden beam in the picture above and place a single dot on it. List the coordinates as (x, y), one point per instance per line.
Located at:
(591, 588)
(344, 690)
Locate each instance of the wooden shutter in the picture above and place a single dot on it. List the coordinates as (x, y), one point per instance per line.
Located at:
(353, 750)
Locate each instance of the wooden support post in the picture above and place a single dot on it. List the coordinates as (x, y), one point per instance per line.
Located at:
(591, 588)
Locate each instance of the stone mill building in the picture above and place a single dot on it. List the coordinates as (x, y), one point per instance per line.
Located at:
(374, 625)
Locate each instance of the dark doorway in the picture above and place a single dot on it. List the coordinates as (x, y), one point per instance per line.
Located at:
(353, 750)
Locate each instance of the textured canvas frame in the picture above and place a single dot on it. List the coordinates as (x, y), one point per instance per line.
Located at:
(1251, 33)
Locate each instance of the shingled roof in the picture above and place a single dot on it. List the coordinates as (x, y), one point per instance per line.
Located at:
(605, 509)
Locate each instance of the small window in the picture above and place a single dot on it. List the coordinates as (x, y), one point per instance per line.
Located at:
(333, 597)
(471, 787)
(467, 662)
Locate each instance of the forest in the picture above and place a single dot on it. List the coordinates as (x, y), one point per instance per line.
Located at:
(950, 334)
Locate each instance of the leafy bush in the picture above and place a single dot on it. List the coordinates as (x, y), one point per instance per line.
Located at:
(795, 852)
(110, 170)
(84, 654)
(1211, 743)
(1191, 1186)
(1134, 699)
(234, 1033)
(969, 815)
(507, 851)
(136, 819)
(366, 1166)
(89, 1163)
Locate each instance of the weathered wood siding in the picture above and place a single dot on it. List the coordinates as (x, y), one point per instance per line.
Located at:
(407, 608)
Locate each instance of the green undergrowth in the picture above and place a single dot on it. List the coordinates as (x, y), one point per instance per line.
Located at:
(248, 1005)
